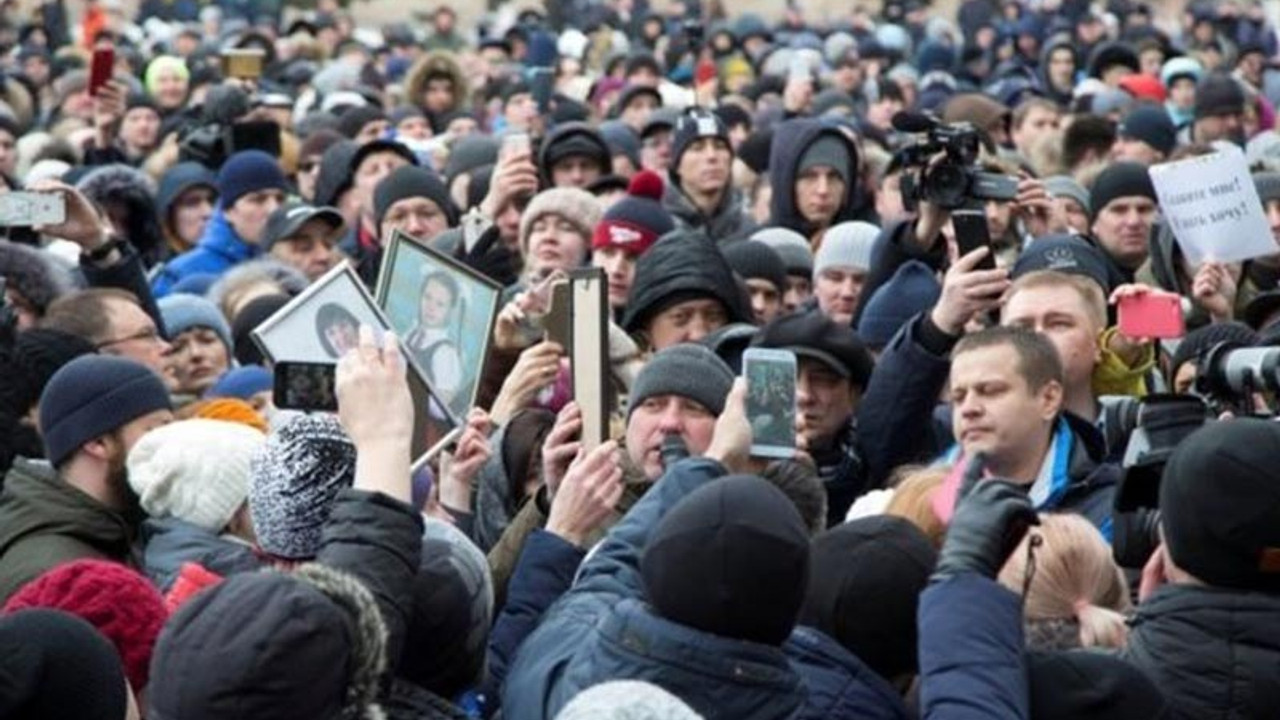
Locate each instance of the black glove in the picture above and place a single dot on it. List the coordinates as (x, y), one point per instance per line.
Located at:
(491, 258)
(990, 520)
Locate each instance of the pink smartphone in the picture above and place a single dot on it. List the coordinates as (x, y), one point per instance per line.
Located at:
(1152, 315)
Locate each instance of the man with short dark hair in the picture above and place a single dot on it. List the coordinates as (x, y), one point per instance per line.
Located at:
(91, 414)
(113, 322)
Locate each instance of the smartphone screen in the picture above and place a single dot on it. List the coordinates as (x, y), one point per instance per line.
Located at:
(305, 386)
(243, 64)
(1152, 315)
(515, 144)
(101, 68)
(771, 401)
(32, 209)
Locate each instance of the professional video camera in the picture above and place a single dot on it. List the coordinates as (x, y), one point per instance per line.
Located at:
(1230, 374)
(957, 178)
(1161, 422)
(222, 130)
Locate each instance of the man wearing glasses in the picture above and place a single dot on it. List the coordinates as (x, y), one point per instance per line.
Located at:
(113, 322)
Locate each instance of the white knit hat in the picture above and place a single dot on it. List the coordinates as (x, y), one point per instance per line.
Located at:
(846, 245)
(194, 470)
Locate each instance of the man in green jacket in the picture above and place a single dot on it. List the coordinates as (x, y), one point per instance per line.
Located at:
(80, 505)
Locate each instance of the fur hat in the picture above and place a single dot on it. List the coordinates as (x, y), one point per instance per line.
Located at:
(135, 191)
(120, 603)
(34, 274)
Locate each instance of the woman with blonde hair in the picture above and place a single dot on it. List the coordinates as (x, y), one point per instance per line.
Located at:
(1074, 594)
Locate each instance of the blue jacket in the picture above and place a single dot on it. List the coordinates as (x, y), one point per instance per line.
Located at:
(839, 685)
(971, 651)
(898, 424)
(219, 250)
(544, 572)
(602, 630)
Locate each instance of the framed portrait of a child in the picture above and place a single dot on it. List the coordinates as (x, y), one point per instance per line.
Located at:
(445, 313)
(322, 323)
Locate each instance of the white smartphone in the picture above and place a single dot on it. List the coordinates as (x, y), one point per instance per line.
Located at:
(771, 401)
(32, 209)
(515, 144)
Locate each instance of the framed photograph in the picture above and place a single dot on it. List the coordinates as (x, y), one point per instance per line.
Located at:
(445, 312)
(322, 323)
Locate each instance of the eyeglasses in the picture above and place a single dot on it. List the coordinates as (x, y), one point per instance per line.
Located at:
(150, 335)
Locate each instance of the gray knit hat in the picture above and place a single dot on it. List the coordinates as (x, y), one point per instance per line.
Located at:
(847, 244)
(688, 370)
(791, 246)
(294, 481)
(1066, 186)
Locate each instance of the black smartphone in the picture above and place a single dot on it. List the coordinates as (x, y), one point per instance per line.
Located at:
(972, 233)
(541, 84)
(305, 386)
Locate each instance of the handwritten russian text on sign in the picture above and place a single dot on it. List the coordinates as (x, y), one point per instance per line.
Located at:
(1213, 208)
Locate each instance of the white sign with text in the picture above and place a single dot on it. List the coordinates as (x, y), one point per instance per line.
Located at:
(1213, 207)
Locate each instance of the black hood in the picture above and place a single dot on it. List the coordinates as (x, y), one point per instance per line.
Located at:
(731, 559)
(131, 190)
(583, 138)
(790, 141)
(681, 266)
(866, 583)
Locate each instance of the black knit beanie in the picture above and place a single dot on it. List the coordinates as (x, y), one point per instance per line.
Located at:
(1122, 179)
(412, 181)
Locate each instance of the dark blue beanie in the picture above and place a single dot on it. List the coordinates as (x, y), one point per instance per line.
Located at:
(913, 289)
(249, 171)
(92, 396)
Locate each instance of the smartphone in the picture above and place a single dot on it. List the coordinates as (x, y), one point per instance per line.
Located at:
(540, 85)
(558, 322)
(798, 68)
(771, 401)
(101, 68)
(516, 144)
(243, 64)
(32, 209)
(972, 233)
(305, 386)
(1152, 315)
(705, 71)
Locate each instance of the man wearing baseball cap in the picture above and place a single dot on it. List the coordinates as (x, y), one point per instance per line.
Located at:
(700, 192)
(1207, 634)
(304, 237)
(91, 413)
(834, 367)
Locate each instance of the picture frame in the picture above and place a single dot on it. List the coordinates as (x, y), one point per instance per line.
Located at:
(444, 311)
(322, 322)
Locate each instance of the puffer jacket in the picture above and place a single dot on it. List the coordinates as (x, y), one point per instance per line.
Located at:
(1215, 652)
(839, 685)
(219, 250)
(44, 522)
(168, 543)
(602, 629)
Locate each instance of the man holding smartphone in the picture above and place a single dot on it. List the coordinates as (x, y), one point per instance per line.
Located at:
(833, 368)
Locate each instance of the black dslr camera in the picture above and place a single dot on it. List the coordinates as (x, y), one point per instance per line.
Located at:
(957, 178)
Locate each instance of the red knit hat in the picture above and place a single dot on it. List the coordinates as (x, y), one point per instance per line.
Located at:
(635, 222)
(1144, 87)
(120, 603)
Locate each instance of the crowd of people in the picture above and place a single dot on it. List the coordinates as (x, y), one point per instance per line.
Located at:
(999, 504)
